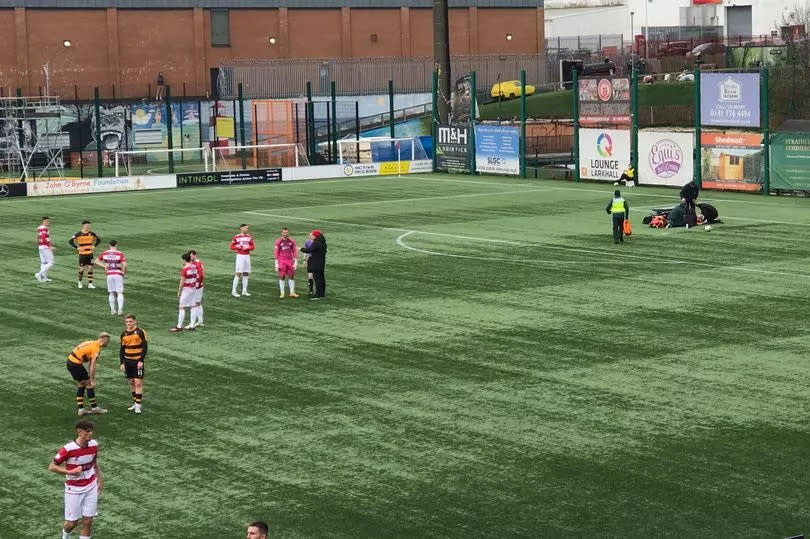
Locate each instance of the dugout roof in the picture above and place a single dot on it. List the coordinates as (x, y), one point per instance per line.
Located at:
(173, 4)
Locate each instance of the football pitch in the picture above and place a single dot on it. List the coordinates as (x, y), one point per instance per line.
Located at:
(487, 363)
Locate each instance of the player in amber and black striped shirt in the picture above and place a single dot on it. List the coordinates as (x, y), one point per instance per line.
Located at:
(85, 241)
(133, 352)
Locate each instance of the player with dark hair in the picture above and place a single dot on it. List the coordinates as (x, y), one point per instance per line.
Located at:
(78, 462)
(286, 254)
(186, 292)
(257, 530)
(243, 245)
(197, 309)
(115, 264)
(87, 352)
(132, 355)
(45, 250)
(85, 242)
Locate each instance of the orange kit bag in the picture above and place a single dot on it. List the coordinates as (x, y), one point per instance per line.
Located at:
(628, 229)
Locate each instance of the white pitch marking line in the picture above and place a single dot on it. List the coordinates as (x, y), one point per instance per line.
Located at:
(608, 254)
(535, 262)
(415, 199)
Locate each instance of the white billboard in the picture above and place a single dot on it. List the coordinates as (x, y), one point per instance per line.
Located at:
(603, 153)
(100, 185)
(665, 158)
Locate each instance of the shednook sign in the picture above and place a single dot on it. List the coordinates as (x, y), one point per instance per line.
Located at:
(729, 99)
(603, 153)
(264, 175)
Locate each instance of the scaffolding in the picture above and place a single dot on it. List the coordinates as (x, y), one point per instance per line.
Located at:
(31, 138)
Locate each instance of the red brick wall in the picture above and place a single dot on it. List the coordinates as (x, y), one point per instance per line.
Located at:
(124, 49)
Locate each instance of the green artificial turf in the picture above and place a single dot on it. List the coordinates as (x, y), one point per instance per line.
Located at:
(558, 104)
(487, 363)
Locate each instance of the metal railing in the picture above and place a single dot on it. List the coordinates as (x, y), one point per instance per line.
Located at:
(365, 76)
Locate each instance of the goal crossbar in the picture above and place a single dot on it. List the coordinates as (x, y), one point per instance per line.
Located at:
(123, 156)
(217, 157)
(408, 154)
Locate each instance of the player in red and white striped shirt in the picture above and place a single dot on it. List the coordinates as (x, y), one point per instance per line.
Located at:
(45, 250)
(115, 263)
(78, 462)
(197, 309)
(186, 292)
(242, 244)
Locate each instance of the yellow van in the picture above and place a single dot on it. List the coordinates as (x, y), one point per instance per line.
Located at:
(510, 89)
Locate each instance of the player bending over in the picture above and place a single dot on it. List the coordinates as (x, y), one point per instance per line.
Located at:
(87, 352)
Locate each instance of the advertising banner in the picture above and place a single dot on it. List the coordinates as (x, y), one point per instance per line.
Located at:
(604, 100)
(452, 148)
(15, 189)
(603, 153)
(732, 161)
(497, 149)
(100, 185)
(228, 177)
(755, 57)
(665, 158)
(730, 99)
(361, 169)
(790, 161)
(461, 100)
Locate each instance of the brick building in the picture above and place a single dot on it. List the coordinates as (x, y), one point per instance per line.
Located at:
(121, 45)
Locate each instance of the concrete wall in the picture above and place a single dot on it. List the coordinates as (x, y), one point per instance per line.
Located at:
(122, 50)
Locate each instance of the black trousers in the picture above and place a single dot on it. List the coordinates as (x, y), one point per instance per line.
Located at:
(618, 227)
(320, 283)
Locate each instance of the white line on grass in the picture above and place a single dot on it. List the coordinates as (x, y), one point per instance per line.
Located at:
(533, 262)
(605, 253)
(415, 199)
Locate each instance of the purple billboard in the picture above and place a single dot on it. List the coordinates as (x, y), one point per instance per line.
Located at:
(729, 99)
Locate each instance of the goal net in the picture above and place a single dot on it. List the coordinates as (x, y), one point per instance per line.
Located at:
(258, 156)
(157, 161)
(380, 149)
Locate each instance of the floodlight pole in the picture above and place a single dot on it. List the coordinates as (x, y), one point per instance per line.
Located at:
(441, 56)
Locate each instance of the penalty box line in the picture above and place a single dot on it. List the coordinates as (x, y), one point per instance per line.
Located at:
(611, 254)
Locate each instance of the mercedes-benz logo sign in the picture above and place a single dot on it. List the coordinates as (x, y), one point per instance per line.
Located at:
(4, 190)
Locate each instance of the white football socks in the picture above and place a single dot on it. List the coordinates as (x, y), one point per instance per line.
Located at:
(292, 286)
(281, 285)
(244, 283)
(111, 299)
(235, 284)
(181, 315)
(199, 314)
(120, 301)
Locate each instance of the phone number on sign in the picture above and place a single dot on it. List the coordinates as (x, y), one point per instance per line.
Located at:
(730, 113)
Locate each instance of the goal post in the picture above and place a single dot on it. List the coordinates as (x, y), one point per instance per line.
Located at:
(380, 149)
(258, 156)
(156, 161)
